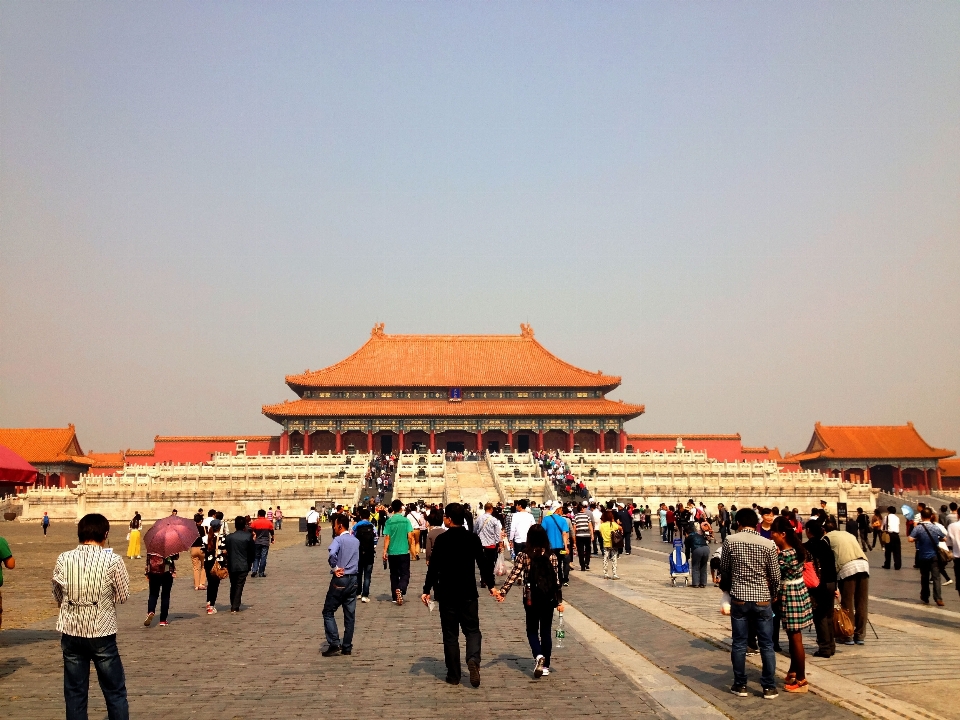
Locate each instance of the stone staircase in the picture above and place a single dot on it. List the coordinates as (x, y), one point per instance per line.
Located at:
(469, 482)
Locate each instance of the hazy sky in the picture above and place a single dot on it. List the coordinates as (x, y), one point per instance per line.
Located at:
(750, 211)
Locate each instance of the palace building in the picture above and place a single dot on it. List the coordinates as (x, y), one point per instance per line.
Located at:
(451, 393)
(884, 456)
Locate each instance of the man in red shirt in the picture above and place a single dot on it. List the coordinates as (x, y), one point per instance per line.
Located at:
(262, 539)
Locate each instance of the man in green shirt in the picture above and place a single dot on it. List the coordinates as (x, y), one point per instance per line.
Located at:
(6, 561)
(397, 538)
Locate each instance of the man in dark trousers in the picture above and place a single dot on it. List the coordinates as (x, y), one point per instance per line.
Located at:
(452, 577)
(240, 552)
(626, 522)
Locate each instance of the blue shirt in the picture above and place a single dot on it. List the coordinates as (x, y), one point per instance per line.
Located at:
(926, 544)
(345, 553)
(555, 525)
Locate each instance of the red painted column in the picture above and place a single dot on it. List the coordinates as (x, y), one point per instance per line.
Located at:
(369, 441)
(571, 436)
(284, 443)
(602, 441)
(339, 441)
(897, 479)
(433, 442)
(939, 479)
(540, 440)
(623, 441)
(479, 441)
(400, 441)
(510, 439)
(306, 443)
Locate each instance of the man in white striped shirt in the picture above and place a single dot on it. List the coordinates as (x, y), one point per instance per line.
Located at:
(88, 582)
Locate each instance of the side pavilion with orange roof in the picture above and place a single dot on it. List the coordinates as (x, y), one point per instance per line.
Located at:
(889, 457)
(454, 393)
(54, 452)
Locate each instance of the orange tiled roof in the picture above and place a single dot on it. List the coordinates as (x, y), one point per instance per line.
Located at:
(446, 361)
(868, 442)
(684, 436)
(211, 438)
(950, 468)
(139, 453)
(45, 445)
(106, 460)
(755, 450)
(444, 408)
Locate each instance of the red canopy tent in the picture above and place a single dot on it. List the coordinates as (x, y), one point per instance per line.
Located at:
(14, 469)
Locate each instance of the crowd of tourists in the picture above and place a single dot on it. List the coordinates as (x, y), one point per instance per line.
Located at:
(777, 570)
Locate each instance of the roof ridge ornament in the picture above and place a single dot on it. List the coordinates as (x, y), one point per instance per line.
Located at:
(526, 331)
(377, 331)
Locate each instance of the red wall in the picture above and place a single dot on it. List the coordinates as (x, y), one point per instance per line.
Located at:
(728, 450)
(201, 450)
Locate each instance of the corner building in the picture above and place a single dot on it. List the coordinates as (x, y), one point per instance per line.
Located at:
(451, 393)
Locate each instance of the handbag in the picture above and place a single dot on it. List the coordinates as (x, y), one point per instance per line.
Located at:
(219, 570)
(943, 554)
(884, 538)
(842, 624)
(811, 577)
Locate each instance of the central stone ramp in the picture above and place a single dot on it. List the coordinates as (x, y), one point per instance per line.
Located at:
(470, 482)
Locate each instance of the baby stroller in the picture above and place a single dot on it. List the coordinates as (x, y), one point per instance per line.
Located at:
(679, 567)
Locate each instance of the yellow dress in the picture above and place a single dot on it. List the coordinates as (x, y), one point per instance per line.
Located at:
(133, 549)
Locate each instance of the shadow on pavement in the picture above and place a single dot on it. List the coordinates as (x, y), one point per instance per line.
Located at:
(10, 666)
(24, 636)
(429, 666)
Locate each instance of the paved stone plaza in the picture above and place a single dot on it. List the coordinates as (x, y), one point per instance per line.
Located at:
(634, 648)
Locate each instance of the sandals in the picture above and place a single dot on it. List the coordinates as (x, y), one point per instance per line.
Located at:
(798, 686)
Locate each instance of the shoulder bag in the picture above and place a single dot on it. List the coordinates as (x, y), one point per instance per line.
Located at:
(842, 624)
(811, 574)
(943, 554)
(885, 535)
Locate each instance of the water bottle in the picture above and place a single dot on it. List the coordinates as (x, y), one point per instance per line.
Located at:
(561, 633)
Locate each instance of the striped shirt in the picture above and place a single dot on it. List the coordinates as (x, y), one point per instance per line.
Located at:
(581, 524)
(88, 582)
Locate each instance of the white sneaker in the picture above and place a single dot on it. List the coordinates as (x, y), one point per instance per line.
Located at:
(211, 610)
(538, 668)
(947, 582)
(364, 599)
(616, 577)
(546, 671)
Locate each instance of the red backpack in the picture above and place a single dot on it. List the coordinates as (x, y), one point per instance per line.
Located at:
(155, 564)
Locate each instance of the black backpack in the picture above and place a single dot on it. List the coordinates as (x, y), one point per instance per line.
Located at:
(364, 533)
(542, 584)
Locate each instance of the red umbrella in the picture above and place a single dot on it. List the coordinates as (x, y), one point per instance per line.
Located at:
(171, 535)
(14, 469)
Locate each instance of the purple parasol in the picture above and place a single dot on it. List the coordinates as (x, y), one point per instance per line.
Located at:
(171, 535)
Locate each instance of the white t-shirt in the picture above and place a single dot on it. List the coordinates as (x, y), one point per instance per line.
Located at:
(206, 523)
(953, 538)
(520, 526)
(597, 517)
(891, 523)
(312, 517)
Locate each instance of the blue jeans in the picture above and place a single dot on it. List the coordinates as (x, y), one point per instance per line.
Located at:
(259, 560)
(366, 573)
(745, 619)
(78, 652)
(341, 593)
